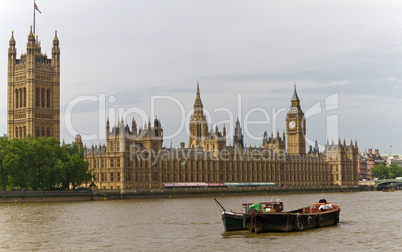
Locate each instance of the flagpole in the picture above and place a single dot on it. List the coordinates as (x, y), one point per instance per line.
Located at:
(34, 18)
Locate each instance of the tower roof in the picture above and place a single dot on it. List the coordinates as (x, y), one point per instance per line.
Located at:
(198, 102)
(295, 97)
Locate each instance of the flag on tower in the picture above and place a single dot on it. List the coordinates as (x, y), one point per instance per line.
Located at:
(36, 8)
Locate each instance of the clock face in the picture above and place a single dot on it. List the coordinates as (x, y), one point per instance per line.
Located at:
(292, 124)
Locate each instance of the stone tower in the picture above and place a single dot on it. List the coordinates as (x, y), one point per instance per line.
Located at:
(238, 136)
(33, 106)
(198, 123)
(295, 127)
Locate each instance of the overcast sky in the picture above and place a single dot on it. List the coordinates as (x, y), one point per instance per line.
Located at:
(345, 57)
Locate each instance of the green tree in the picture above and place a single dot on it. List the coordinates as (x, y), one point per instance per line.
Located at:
(395, 170)
(41, 164)
(3, 170)
(15, 162)
(383, 172)
(380, 171)
(74, 167)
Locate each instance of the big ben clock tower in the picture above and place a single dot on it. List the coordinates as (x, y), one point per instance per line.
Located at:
(295, 127)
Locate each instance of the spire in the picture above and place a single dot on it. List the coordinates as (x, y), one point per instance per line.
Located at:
(12, 41)
(198, 108)
(295, 97)
(31, 37)
(55, 40)
(198, 97)
(198, 89)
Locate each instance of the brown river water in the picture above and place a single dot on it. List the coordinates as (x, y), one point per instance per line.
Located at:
(369, 221)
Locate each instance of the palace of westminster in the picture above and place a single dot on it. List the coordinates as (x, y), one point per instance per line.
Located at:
(127, 161)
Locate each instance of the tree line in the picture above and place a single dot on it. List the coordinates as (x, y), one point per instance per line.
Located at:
(383, 172)
(41, 164)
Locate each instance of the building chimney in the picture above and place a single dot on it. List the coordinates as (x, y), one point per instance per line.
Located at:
(370, 151)
(376, 152)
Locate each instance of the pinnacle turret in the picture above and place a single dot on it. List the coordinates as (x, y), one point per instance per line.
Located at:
(12, 40)
(55, 40)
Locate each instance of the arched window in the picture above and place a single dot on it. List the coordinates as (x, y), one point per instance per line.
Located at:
(16, 98)
(37, 132)
(48, 132)
(48, 98)
(21, 98)
(37, 97)
(16, 132)
(25, 131)
(25, 97)
(43, 98)
(21, 136)
(42, 133)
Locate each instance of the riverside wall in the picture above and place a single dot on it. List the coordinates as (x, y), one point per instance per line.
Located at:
(96, 195)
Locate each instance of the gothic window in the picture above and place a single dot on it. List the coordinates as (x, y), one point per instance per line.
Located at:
(20, 97)
(21, 136)
(48, 98)
(25, 97)
(25, 131)
(37, 132)
(16, 132)
(48, 132)
(37, 97)
(43, 98)
(111, 146)
(42, 132)
(16, 98)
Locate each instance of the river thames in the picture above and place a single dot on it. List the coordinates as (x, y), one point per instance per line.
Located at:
(369, 221)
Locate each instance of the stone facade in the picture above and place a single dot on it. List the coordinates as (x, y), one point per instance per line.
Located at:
(33, 106)
(343, 163)
(137, 160)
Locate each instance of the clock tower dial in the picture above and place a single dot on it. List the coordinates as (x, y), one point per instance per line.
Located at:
(292, 124)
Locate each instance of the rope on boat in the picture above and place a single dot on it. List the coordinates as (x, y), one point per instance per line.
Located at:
(219, 206)
(228, 205)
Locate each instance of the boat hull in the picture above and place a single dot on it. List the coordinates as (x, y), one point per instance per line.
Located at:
(290, 221)
(232, 221)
